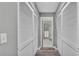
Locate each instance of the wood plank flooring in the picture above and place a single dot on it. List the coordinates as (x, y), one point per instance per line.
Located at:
(47, 52)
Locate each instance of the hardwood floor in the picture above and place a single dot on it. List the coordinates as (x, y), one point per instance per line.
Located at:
(47, 52)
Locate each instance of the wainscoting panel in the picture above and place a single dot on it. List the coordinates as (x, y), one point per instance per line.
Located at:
(27, 50)
(68, 50)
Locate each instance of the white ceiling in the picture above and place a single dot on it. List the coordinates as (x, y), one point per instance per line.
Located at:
(47, 7)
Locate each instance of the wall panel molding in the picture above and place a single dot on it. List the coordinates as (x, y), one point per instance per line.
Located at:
(68, 42)
(25, 44)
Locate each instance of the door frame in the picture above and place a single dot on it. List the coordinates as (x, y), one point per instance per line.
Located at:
(41, 35)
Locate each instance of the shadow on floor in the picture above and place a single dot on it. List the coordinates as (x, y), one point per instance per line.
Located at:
(47, 52)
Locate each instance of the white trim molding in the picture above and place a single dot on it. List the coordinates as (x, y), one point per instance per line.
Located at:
(18, 27)
(29, 6)
(31, 9)
(63, 8)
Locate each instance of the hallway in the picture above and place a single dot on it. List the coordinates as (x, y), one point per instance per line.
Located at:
(51, 25)
(39, 29)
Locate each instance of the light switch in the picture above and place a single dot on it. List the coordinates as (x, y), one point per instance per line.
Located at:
(3, 38)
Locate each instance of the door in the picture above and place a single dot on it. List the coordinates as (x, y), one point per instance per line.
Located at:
(47, 31)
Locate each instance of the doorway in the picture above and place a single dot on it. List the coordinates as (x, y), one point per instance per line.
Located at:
(47, 31)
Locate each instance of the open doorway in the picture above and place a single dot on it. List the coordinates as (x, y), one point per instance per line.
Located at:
(46, 31)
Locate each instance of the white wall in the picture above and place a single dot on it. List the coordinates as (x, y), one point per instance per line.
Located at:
(25, 41)
(28, 36)
(8, 24)
(67, 30)
(25, 30)
(25, 23)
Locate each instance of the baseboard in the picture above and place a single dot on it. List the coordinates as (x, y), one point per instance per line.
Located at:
(36, 50)
(54, 47)
(39, 47)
